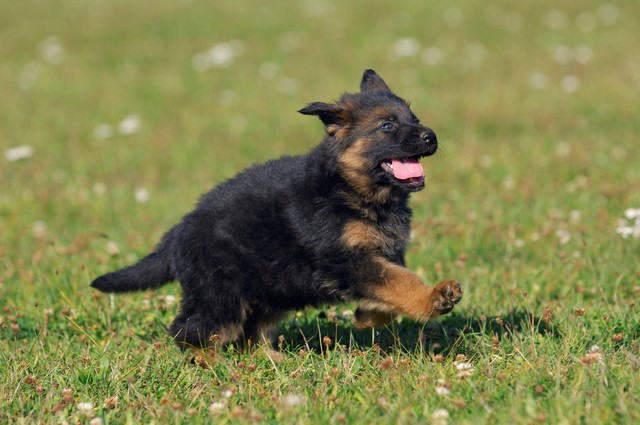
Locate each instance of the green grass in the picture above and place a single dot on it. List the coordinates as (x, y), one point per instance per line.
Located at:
(522, 204)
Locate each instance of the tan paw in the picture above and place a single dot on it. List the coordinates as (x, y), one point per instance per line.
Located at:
(446, 295)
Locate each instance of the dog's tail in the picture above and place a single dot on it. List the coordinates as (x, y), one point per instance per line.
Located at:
(151, 272)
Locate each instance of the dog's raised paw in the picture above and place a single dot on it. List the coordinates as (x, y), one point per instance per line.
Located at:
(446, 295)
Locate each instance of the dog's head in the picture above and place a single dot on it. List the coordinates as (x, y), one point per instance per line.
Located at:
(377, 140)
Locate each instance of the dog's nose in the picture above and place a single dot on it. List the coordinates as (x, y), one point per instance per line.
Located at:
(429, 136)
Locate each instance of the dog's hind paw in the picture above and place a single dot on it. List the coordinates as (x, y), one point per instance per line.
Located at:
(446, 295)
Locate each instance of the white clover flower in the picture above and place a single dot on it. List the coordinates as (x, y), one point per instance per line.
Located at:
(632, 213)
(217, 407)
(583, 54)
(51, 50)
(103, 131)
(85, 407)
(563, 236)
(141, 195)
(112, 248)
(556, 19)
(442, 391)
(440, 417)
(39, 229)
(570, 84)
(608, 13)
(220, 55)
(433, 56)
(562, 54)
(630, 225)
(463, 366)
(292, 400)
(405, 47)
(129, 125)
(18, 153)
(538, 80)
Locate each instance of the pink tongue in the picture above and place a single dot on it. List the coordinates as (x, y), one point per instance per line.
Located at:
(406, 168)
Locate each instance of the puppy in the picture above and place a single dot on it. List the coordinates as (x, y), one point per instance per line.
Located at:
(325, 227)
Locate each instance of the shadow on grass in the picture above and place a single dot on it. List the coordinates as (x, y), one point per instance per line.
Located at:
(315, 331)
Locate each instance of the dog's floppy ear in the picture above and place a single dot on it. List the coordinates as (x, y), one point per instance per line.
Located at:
(372, 82)
(333, 116)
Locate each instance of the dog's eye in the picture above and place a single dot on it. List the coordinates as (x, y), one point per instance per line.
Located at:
(387, 126)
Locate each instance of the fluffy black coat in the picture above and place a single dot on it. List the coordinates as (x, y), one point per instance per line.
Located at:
(289, 233)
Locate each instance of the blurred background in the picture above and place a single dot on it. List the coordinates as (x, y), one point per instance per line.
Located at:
(116, 115)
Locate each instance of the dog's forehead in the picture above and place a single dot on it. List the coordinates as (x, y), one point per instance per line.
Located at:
(387, 108)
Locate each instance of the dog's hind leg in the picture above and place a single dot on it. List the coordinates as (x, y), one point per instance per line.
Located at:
(205, 322)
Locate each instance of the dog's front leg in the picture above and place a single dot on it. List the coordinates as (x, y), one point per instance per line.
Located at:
(399, 290)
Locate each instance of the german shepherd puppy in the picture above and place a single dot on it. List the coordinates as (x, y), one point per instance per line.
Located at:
(325, 227)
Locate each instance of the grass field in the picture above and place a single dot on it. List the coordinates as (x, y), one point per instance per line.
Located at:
(116, 115)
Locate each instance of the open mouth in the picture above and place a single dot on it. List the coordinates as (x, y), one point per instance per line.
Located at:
(407, 171)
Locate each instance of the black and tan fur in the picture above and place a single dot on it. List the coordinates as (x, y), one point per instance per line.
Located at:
(325, 227)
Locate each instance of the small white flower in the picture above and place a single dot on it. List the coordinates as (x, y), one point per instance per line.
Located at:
(443, 391)
(632, 213)
(290, 42)
(99, 188)
(85, 407)
(556, 19)
(347, 314)
(292, 400)
(18, 153)
(583, 54)
(563, 236)
(486, 161)
(129, 125)
(440, 417)
(103, 131)
(538, 80)
(51, 50)
(95, 421)
(574, 216)
(405, 47)
(563, 149)
(221, 55)
(608, 14)
(112, 248)
(141, 195)
(433, 56)
(170, 299)
(463, 366)
(217, 407)
(39, 229)
(562, 54)
(226, 393)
